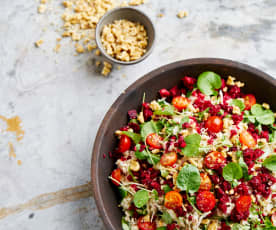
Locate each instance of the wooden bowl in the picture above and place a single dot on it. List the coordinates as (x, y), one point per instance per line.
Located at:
(257, 82)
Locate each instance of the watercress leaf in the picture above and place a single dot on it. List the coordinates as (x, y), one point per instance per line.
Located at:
(148, 128)
(166, 110)
(184, 120)
(141, 155)
(270, 163)
(166, 188)
(240, 227)
(153, 159)
(164, 172)
(162, 228)
(155, 193)
(244, 167)
(122, 192)
(166, 217)
(265, 117)
(239, 103)
(125, 225)
(207, 83)
(188, 178)
(248, 117)
(141, 198)
(192, 145)
(134, 136)
(232, 171)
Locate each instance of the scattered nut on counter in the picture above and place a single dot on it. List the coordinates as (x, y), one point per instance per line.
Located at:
(38, 43)
(182, 14)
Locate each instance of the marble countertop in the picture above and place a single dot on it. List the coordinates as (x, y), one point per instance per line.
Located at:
(51, 105)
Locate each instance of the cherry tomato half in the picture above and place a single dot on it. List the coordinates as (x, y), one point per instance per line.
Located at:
(214, 124)
(243, 203)
(205, 182)
(249, 100)
(124, 143)
(205, 201)
(116, 174)
(214, 160)
(146, 225)
(247, 139)
(154, 140)
(180, 102)
(173, 199)
(168, 159)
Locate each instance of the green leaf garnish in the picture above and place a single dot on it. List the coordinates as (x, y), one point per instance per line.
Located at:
(122, 192)
(125, 225)
(239, 103)
(134, 136)
(208, 82)
(146, 155)
(192, 145)
(188, 178)
(264, 117)
(166, 217)
(148, 128)
(232, 171)
(166, 188)
(167, 110)
(141, 198)
(270, 163)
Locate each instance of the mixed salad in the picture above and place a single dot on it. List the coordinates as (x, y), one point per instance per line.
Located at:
(202, 156)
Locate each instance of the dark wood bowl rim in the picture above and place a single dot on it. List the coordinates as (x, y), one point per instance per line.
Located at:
(96, 155)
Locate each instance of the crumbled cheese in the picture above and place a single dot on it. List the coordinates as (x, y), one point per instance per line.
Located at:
(123, 165)
(236, 110)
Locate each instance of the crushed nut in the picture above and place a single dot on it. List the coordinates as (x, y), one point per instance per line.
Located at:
(134, 166)
(239, 84)
(160, 15)
(106, 68)
(182, 14)
(140, 118)
(266, 106)
(57, 48)
(97, 52)
(230, 80)
(41, 8)
(79, 48)
(155, 106)
(124, 40)
(39, 43)
(136, 2)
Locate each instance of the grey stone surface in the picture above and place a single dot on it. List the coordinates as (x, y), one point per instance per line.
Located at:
(62, 100)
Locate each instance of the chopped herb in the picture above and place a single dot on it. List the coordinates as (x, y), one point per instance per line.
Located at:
(166, 217)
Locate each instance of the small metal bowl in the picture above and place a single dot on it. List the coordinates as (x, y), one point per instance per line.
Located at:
(130, 14)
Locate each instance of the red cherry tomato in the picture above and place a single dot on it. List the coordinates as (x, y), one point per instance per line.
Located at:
(249, 100)
(154, 141)
(205, 182)
(116, 174)
(173, 200)
(124, 143)
(146, 225)
(243, 203)
(168, 159)
(214, 160)
(180, 102)
(205, 201)
(247, 139)
(214, 124)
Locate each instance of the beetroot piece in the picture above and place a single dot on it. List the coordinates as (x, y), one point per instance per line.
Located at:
(189, 82)
(234, 91)
(164, 93)
(132, 114)
(174, 91)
